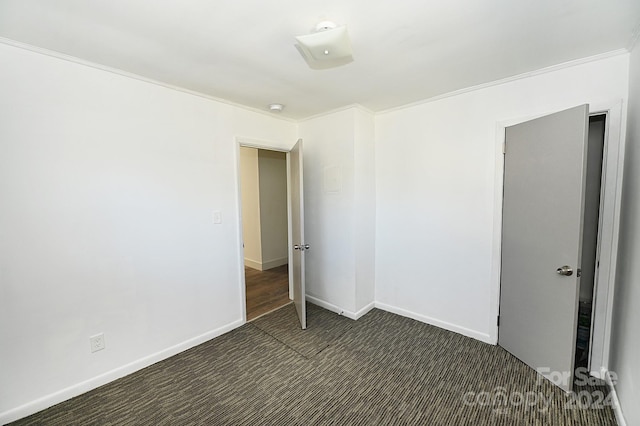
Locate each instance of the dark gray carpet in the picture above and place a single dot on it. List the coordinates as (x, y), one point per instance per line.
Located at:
(383, 370)
(323, 327)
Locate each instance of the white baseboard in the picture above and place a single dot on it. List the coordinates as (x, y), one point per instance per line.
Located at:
(483, 337)
(615, 402)
(338, 310)
(328, 306)
(362, 312)
(274, 263)
(82, 387)
(252, 264)
(474, 334)
(263, 266)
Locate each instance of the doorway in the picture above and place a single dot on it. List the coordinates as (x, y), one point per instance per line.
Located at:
(296, 245)
(263, 188)
(552, 228)
(590, 237)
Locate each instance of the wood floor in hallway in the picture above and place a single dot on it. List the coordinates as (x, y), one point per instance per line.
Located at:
(266, 290)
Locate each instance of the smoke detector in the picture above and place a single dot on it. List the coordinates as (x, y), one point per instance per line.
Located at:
(276, 107)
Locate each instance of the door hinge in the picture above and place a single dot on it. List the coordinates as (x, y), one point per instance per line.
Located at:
(498, 321)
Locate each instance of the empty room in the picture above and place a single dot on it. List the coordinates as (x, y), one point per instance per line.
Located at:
(453, 238)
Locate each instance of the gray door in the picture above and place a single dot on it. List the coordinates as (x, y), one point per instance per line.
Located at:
(297, 231)
(544, 180)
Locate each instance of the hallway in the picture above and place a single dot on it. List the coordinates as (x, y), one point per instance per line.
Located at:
(266, 290)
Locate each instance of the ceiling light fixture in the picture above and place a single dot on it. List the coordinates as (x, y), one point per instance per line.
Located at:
(330, 43)
(276, 107)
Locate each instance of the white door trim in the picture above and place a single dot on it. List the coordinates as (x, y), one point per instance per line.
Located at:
(610, 224)
(271, 146)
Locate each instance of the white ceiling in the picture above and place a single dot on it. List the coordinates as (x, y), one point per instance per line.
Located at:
(243, 50)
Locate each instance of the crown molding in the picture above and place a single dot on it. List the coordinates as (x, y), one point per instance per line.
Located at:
(540, 71)
(76, 60)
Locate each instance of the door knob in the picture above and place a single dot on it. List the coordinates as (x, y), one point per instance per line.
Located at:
(565, 270)
(306, 246)
(296, 247)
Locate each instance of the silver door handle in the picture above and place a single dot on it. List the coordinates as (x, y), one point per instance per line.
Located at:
(296, 247)
(565, 270)
(302, 247)
(306, 247)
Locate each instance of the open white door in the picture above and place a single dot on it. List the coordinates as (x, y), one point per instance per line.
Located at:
(297, 231)
(543, 208)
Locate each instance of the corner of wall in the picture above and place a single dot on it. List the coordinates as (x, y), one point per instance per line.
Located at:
(624, 345)
(613, 397)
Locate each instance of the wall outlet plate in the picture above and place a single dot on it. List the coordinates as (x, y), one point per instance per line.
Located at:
(97, 342)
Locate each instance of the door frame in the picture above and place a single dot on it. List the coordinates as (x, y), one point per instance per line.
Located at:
(611, 195)
(270, 146)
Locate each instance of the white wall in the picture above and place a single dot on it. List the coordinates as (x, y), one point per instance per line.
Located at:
(250, 190)
(273, 208)
(108, 184)
(365, 209)
(329, 219)
(436, 190)
(339, 215)
(625, 344)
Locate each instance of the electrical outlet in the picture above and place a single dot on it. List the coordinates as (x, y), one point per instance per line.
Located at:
(97, 342)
